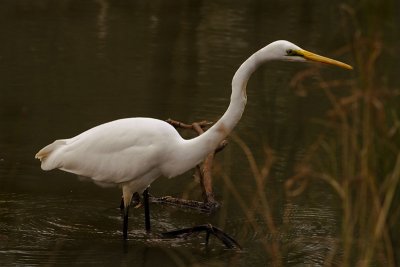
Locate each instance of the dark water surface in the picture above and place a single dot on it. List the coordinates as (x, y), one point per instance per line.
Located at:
(66, 66)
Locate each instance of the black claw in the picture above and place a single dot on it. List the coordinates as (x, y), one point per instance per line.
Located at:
(228, 241)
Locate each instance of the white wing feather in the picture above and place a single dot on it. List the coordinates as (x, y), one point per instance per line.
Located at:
(114, 152)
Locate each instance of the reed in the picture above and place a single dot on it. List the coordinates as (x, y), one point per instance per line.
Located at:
(358, 155)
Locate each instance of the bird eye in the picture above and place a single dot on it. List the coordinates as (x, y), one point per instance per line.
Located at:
(289, 52)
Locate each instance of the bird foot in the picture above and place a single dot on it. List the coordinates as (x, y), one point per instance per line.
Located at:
(228, 241)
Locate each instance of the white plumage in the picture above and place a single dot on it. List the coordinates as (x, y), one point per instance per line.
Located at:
(133, 152)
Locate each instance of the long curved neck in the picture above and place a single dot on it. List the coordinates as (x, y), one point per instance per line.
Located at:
(208, 141)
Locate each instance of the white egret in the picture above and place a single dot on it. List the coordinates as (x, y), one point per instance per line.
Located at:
(134, 152)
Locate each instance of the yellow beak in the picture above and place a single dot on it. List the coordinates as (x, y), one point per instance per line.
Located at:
(318, 58)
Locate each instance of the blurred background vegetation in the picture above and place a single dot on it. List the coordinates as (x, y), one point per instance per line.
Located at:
(310, 176)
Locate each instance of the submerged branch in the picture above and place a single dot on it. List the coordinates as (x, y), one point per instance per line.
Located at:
(200, 206)
(228, 241)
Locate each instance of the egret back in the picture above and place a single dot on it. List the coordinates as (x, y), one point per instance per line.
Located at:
(115, 152)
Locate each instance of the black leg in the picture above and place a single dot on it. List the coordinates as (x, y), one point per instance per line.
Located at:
(146, 209)
(125, 225)
(122, 205)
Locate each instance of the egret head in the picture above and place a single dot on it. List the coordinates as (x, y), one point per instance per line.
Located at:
(287, 51)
